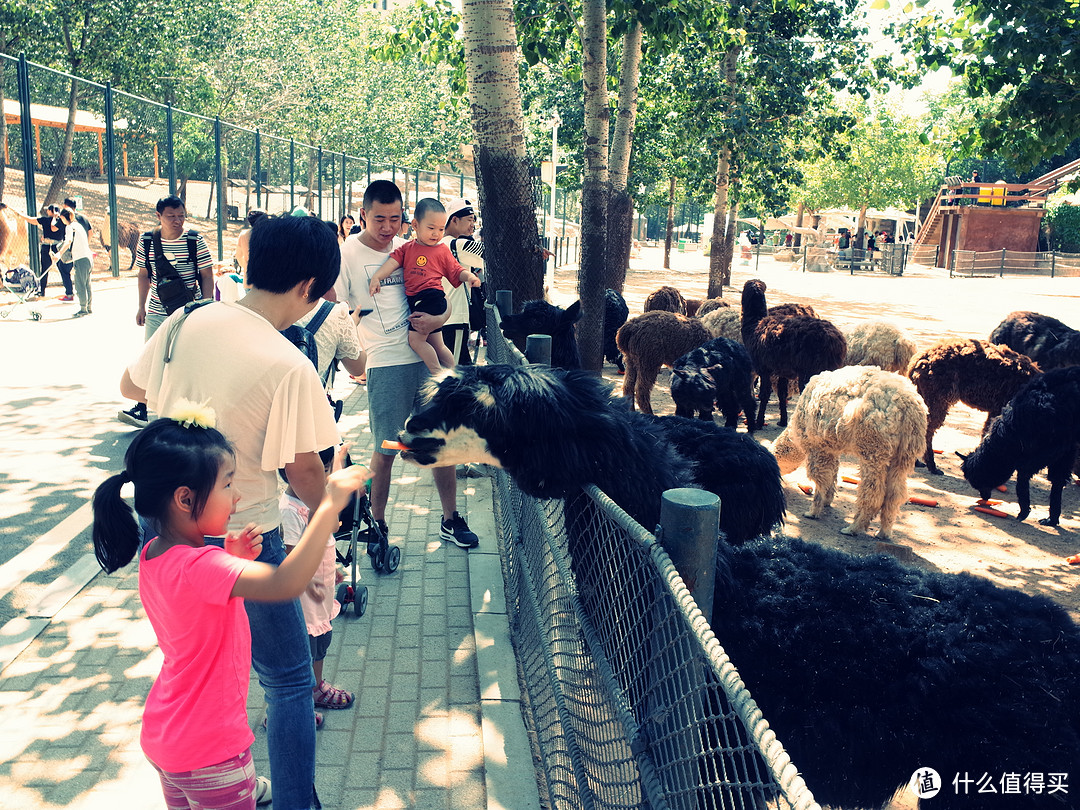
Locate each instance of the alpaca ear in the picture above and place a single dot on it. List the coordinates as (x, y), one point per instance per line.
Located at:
(713, 370)
(572, 313)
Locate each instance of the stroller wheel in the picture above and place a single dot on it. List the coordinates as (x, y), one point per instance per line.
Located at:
(360, 605)
(376, 556)
(393, 559)
(35, 315)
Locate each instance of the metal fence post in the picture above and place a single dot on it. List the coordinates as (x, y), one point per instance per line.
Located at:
(110, 169)
(219, 171)
(689, 529)
(438, 185)
(504, 300)
(538, 350)
(258, 169)
(292, 174)
(345, 201)
(22, 76)
(320, 182)
(1001, 267)
(170, 152)
(1053, 261)
(369, 170)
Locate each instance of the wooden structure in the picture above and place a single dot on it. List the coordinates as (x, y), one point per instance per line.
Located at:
(989, 216)
(44, 115)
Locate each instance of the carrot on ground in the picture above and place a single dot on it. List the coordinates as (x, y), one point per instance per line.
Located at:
(990, 502)
(986, 510)
(1073, 560)
(807, 489)
(847, 479)
(1002, 488)
(922, 501)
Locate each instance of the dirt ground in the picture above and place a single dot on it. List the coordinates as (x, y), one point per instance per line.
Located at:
(928, 305)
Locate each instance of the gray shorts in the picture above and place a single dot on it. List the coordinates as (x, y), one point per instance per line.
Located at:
(392, 393)
(320, 645)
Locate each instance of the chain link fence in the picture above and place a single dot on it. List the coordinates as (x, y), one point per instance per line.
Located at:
(631, 700)
(127, 152)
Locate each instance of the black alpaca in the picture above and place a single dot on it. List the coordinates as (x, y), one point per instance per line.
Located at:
(542, 318)
(1040, 427)
(718, 373)
(865, 669)
(789, 348)
(1046, 340)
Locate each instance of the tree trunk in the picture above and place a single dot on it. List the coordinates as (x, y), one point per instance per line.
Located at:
(668, 231)
(60, 173)
(507, 197)
(720, 260)
(797, 241)
(595, 189)
(620, 224)
(3, 135)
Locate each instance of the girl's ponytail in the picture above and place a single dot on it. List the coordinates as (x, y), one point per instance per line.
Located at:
(116, 532)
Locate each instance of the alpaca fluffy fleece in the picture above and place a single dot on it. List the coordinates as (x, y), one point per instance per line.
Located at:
(554, 431)
(542, 318)
(867, 670)
(723, 322)
(1040, 427)
(666, 299)
(873, 414)
(717, 373)
(709, 305)
(1046, 340)
(651, 341)
(790, 348)
(881, 344)
(982, 375)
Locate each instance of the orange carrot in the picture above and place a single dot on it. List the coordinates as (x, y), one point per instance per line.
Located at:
(391, 445)
(1073, 560)
(1002, 488)
(938, 452)
(991, 502)
(847, 479)
(986, 510)
(922, 501)
(807, 489)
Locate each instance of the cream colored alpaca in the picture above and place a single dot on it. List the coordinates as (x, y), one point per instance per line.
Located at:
(872, 414)
(879, 343)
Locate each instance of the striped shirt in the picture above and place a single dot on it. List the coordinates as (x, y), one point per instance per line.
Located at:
(176, 251)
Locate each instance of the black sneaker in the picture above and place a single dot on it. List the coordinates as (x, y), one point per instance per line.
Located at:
(136, 417)
(457, 531)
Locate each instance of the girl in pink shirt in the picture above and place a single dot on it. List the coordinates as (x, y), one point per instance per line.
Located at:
(182, 469)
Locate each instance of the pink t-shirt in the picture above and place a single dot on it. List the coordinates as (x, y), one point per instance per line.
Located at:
(425, 266)
(196, 712)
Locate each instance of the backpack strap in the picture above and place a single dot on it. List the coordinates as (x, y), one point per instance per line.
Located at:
(148, 251)
(193, 249)
(174, 327)
(320, 316)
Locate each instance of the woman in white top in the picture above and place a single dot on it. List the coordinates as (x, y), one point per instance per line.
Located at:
(76, 240)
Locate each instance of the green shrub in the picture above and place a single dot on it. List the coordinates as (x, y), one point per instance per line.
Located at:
(1063, 227)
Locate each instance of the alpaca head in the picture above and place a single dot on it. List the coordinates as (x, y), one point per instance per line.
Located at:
(789, 455)
(993, 462)
(692, 387)
(753, 301)
(542, 318)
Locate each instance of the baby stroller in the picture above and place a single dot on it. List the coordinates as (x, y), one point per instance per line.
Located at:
(384, 557)
(24, 285)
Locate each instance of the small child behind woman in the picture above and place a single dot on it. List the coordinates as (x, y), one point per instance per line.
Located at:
(320, 606)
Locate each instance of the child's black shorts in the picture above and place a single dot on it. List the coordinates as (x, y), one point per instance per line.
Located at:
(430, 302)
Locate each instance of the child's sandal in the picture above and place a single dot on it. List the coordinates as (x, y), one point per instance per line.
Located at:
(330, 697)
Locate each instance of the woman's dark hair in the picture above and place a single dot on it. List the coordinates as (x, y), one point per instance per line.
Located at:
(286, 251)
(163, 457)
(325, 456)
(341, 224)
(255, 215)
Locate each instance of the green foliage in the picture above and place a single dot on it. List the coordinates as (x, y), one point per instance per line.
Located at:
(1063, 226)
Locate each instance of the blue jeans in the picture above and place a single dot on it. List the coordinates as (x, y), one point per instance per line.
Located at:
(281, 656)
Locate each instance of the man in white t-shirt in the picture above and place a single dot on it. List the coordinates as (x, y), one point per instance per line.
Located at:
(271, 406)
(394, 371)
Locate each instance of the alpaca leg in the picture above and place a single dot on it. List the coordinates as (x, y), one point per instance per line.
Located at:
(748, 410)
(895, 494)
(822, 468)
(935, 420)
(764, 392)
(868, 497)
(629, 383)
(1059, 473)
(646, 379)
(782, 387)
(1023, 492)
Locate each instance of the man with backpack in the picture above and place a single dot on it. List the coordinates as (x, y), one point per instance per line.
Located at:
(174, 266)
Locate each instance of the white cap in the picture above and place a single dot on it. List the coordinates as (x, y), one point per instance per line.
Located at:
(459, 207)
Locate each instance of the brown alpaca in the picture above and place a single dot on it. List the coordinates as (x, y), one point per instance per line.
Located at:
(650, 341)
(666, 299)
(785, 348)
(982, 375)
(127, 236)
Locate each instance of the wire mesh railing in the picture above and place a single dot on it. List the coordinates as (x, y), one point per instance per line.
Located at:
(632, 700)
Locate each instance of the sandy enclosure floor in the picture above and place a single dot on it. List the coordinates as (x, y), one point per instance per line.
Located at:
(929, 306)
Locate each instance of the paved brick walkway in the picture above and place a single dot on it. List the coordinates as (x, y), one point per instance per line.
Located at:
(419, 735)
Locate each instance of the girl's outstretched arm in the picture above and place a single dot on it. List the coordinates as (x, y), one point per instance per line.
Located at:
(262, 582)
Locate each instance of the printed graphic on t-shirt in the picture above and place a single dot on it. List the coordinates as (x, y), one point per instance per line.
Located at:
(396, 279)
